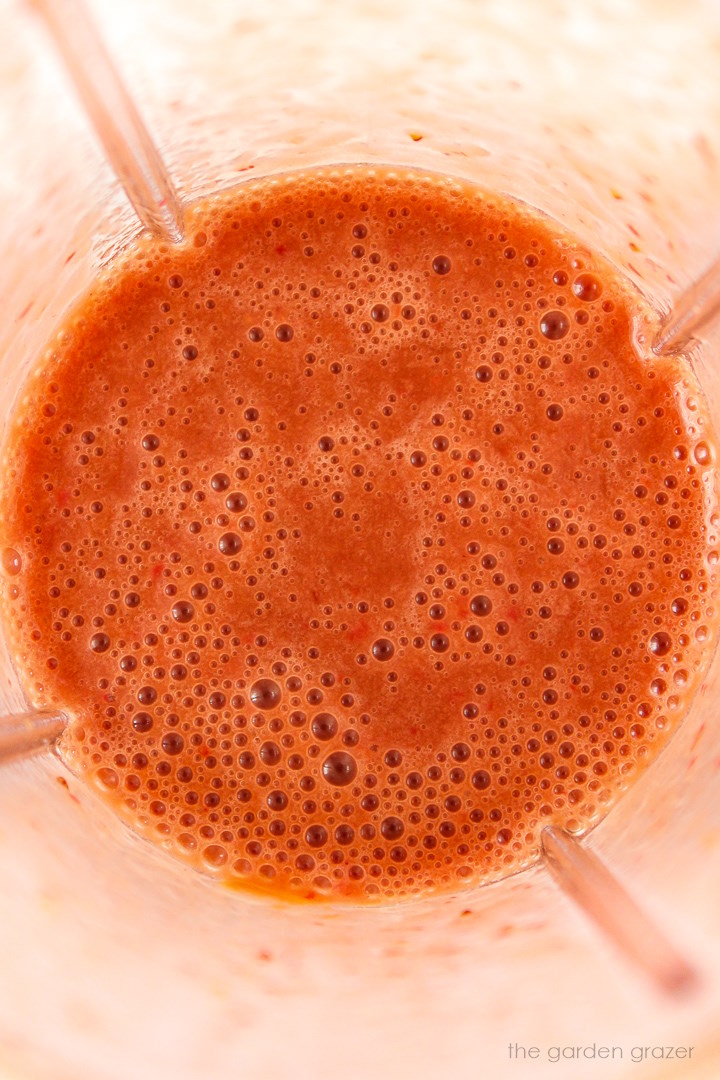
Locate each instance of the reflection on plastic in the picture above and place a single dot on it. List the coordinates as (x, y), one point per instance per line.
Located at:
(692, 312)
(588, 882)
(25, 733)
(112, 112)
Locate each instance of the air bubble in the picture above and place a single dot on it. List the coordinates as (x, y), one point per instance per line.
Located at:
(324, 726)
(339, 768)
(142, 722)
(554, 325)
(316, 836)
(229, 544)
(172, 743)
(183, 611)
(383, 649)
(660, 643)
(441, 264)
(220, 482)
(481, 605)
(702, 454)
(587, 287)
(265, 694)
(11, 561)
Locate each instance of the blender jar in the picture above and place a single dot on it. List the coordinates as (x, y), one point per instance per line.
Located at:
(118, 961)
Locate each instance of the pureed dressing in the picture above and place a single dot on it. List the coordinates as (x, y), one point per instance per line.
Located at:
(356, 538)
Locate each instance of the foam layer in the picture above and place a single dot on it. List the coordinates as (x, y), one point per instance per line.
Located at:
(357, 539)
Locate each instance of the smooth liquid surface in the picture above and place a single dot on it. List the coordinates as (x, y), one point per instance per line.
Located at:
(357, 539)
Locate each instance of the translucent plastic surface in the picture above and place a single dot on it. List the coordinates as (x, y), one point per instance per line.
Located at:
(117, 961)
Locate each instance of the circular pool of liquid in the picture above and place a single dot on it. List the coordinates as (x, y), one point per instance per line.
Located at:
(356, 536)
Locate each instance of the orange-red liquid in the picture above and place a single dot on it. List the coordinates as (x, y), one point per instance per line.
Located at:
(357, 539)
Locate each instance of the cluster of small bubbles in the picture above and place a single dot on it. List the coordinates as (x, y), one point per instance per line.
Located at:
(384, 551)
